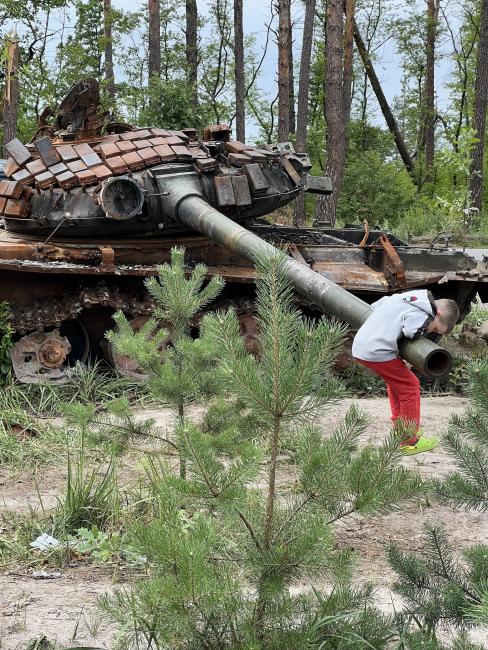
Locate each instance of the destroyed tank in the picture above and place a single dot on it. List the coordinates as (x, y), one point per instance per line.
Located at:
(91, 207)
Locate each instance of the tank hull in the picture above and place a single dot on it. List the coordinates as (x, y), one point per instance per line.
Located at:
(51, 284)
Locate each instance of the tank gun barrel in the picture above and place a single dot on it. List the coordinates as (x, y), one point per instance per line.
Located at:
(182, 198)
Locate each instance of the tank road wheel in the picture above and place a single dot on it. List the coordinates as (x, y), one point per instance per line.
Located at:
(45, 357)
(122, 364)
(39, 357)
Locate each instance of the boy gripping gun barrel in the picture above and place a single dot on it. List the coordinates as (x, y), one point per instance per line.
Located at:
(410, 314)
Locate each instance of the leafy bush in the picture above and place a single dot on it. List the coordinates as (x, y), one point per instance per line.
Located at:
(374, 189)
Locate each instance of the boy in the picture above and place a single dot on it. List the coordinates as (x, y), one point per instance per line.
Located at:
(410, 314)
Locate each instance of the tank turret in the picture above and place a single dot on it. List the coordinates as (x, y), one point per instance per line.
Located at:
(88, 177)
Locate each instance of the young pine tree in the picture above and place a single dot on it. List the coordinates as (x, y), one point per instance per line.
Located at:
(179, 367)
(440, 586)
(250, 521)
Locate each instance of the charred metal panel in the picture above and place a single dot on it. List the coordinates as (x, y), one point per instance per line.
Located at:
(353, 277)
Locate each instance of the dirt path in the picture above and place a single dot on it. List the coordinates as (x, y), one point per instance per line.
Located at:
(65, 607)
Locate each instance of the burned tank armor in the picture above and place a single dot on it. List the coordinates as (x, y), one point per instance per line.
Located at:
(92, 206)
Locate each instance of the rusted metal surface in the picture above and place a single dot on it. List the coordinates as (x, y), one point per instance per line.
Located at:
(364, 240)
(392, 263)
(90, 214)
(356, 277)
(39, 357)
(108, 258)
(296, 254)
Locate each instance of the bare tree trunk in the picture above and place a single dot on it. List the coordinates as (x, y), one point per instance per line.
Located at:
(480, 105)
(109, 63)
(432, 14)
(335, 117)
(240, 87)
(284, 46)
(373, 17)
(292, 78)
(462, 56)
(302, 104)
(348, 50)
(382, 101)
(192, 46)
(11, 91)
(154, 38)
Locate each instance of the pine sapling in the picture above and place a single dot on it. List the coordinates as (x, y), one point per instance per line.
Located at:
(287, 384)
(232, 538)
(441, 585)
(466, 441)
(179, 367)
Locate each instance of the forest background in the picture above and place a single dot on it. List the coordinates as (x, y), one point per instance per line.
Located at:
(413, 163)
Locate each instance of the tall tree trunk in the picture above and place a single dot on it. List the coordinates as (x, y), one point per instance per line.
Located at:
(192, 46)
(348, 50)
(480, 105)
(302, 104)
(335, 117)
(109, 63)
(292, 78)
(382, 101)
(154, 38)
(240, 87)
(432, 13)
(284, 46)
(11, 91)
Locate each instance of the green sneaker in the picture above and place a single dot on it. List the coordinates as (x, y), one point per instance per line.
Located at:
(422, 444)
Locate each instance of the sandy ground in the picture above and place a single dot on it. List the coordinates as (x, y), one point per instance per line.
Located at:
(64, 608)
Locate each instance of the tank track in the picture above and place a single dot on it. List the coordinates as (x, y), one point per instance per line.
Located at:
(44, 315)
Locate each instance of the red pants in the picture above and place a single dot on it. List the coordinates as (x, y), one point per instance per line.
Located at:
(403, 389)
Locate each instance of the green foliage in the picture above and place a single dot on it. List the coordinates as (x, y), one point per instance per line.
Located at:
(375, 187)
(91, 497)
(466, 441)
(371, 478)
(86, 384)
(361, 383)
(227, 542)
(346, 620)
(441, 585)
(421, 218)
(168, 104)
(466, 346)
(103, 547)
(290, 347)
(113, 429)
(81, 55)
(179, 366)
(437, 586)
(17, 532)
(41, 643)
(24, 442)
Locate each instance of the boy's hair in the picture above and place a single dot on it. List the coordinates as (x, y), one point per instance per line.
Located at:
(448, 312)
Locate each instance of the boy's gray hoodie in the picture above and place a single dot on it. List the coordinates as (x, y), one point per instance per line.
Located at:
(403, 314)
